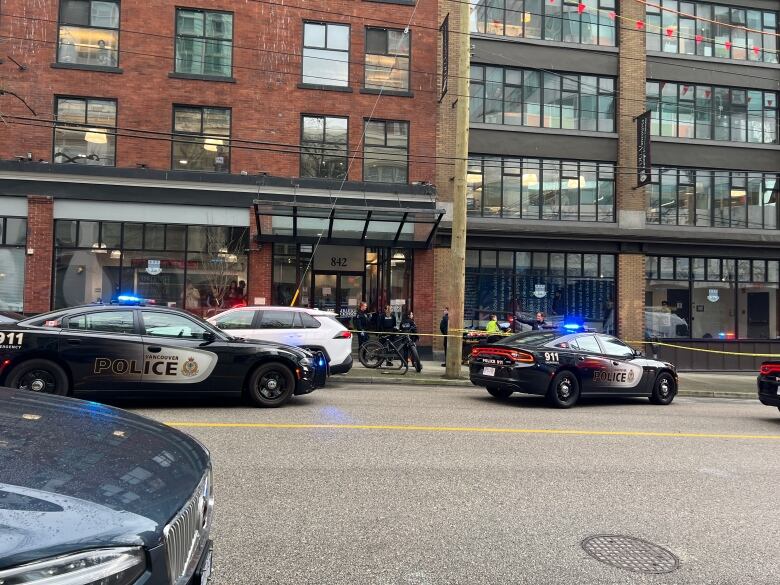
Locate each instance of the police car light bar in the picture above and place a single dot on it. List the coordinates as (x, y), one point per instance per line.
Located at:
(129, 300)
(572, 326)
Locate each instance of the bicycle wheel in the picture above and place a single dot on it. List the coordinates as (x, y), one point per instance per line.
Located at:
(415, 358)
(372, 354)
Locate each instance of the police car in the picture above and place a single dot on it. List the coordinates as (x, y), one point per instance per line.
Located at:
(769, 383)
(134, 348)
(564, 365)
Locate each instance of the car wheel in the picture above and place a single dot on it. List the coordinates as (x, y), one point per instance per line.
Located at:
(39, 376)
(664, 389)
(416, 359)
(564, 390)
(271, 385)
(500, 393)
(371, 355)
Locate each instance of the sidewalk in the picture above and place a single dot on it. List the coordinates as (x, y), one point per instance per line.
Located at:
(702, 384)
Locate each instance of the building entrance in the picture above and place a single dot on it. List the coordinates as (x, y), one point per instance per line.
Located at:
(338, 292)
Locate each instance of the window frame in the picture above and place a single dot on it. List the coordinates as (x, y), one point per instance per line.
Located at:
(408, 58)
(175, 133)
(322, 81)
(177, 35)
(110, 131)
(65, 324)
(145, 333)
(324, 144)
(118, 29)
(366, 144)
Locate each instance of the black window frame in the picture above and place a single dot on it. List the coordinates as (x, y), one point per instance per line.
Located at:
(408, 124)
(324, 144)
(110, 130)
(204, 11)
(176, 133)
(318, 80)
(67, 321)
(388, 53)
(118, 29)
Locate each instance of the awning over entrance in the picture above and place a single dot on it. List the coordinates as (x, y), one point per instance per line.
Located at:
(348, 223)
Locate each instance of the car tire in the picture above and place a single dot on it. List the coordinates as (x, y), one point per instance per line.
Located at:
(40, 376)
(271, 385)
(564, 390)
(500, 393)
(416, 359)
(371, 355)
(664, 389)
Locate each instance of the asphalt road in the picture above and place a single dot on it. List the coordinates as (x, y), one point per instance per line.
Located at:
(486, 492)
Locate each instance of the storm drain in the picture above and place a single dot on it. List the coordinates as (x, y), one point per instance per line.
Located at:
(631, 554)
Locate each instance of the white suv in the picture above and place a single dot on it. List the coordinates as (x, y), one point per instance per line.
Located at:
(308, 328)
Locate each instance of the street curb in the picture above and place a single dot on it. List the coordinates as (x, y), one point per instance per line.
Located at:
(399, 380)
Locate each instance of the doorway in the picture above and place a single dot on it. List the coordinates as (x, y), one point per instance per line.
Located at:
(340, 293)
(758, 315)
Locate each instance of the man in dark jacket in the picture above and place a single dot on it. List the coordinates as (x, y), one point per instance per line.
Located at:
(388, 324)
(536, 324)
(362, 324)
(409, 327)
(444, 327)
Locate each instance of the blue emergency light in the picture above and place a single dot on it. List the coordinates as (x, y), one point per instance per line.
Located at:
(129, 300)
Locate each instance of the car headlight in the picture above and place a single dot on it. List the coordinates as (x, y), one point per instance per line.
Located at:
(108, 566)
(304, 361)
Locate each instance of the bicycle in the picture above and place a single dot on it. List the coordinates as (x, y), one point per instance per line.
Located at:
(375, 353)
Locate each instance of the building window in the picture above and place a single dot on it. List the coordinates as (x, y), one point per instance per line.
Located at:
(527, 97)
(713, 113)
(85, 131)
(324, 147)
(13, 237)
(532, 188)
(713, 198)
(711, 298)
(202, 139)
(200, 268)
(325, 54)
(516, 284)
(89, 33)
(387, 59)
(386, 152)
(204, 42)
(711, 30)
(553, 20)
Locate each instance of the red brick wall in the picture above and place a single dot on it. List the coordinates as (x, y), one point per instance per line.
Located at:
(38, 265)
(423, 292)
(260, 265)
(266, 103)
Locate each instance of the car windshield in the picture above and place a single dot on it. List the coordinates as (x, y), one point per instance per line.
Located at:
(531, 338)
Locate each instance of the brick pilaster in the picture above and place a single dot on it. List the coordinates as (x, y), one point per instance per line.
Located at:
(260, 266)
(631, 297)
(423, 291)
(40, 250)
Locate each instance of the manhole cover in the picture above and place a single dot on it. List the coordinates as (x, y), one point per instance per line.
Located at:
(632, 554)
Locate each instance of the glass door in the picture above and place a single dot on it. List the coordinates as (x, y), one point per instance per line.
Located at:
(350, 294)
(325, 292)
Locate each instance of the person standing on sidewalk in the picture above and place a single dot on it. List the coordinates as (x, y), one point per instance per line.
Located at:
(444, 327)
(362, 323)
(388, 325)
(409, 327)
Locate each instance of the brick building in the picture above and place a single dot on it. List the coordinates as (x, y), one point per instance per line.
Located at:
(197, 153)
(556, 221)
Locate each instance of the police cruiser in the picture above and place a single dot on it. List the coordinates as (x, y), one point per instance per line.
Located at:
(564, 365)
(131, 348)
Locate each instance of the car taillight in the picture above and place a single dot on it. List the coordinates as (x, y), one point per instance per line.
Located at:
(343, 335)
(521, 356)
(767, 369)
(500, 352)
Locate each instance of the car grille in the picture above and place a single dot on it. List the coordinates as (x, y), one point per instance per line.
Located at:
(185, 534)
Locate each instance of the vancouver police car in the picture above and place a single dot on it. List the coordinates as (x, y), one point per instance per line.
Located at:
(769, 383)
(563, 365)
(133, 348)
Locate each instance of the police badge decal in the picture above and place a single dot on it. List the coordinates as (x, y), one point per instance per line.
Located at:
(189, 368)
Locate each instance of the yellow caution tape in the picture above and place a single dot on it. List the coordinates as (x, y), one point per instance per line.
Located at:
(701, 349)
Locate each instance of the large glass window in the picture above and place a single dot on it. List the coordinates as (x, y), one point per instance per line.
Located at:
(386, 152)
(711, 30)
(525, 97)
(204, 42)
(325, 54)
(712, 298)
(202, 269)
(712, 113)
(678, 196)
(89, 33)
(552, 20)
(387, 59)
(324, 147)
(13, 237)
(532, 188)
(516, 284)
(85, 131)
(202, 139)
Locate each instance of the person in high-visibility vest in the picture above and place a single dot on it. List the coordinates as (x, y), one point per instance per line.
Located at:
(492, 326)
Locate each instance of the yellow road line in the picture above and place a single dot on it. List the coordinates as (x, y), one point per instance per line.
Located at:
(575, 432)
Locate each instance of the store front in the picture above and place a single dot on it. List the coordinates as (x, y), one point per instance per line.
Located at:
(333, 257)
(200, 268)
(13, 236)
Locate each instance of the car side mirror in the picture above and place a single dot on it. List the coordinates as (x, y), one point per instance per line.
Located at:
(637, 352)
(209, 336)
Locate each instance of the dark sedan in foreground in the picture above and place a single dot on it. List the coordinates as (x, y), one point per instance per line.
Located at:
(563, 365)
(93, 495)
(769, 383)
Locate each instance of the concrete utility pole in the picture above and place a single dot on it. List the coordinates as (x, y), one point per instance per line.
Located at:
(458, 243)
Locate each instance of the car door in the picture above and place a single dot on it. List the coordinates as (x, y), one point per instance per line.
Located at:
(238, 323)
(591, 363)
(176, 352)
(279, 325)
(103, 349)
(622, 375)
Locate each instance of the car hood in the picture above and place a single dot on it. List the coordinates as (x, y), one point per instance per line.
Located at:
(77, 475)
(263, 345)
